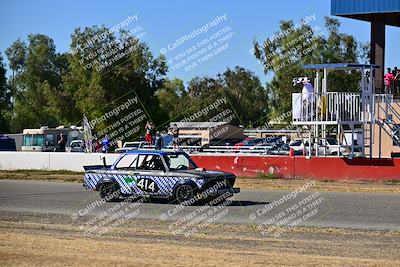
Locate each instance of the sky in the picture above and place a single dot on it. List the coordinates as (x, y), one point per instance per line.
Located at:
(236, 25)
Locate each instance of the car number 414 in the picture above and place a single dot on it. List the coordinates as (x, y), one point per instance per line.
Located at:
(147, 185)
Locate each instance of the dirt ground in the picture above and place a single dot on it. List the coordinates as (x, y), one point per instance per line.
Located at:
(242, 182)
(30, 239)
(39, 240)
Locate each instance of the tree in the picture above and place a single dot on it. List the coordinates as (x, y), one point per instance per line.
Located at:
(51, 88)
(5, 103)
(247, 96)
(35, 70)
(173, 97)
(244, 95)
(99, 76)
(293, 47)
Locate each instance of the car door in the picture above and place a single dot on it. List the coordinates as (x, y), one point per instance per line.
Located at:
(151, 176)
(124, 172)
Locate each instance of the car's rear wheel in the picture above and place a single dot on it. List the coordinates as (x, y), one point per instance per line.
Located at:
(184, 192)
(109, 191)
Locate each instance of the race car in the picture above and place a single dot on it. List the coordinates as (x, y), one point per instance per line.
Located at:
(159, 174)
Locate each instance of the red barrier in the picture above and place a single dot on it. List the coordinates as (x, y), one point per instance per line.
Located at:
(301, 167)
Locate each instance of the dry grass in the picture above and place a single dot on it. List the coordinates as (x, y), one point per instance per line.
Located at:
(66, 176)
(147, 243)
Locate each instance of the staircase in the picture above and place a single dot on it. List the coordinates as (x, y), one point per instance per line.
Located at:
(386, 117)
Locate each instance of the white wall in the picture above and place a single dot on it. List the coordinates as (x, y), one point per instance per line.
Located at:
(52, 161)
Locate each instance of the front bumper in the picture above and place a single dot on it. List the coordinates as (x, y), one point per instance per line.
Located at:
(222, 191)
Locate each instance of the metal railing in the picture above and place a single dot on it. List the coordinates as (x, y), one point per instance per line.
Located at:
(326, 107)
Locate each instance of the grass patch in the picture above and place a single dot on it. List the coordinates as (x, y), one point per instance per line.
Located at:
(43, 172)
(266, 176)
(392, 182)
(63, 175)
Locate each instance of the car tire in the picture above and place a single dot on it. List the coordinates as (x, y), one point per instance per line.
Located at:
(184, 192)
(109, 192)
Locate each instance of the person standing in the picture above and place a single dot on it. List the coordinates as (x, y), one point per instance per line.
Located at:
(396, 81)
(149, 130)
(61, 143)
(105, 144)
(308, 99)
(158, 141)
(389, 77)
(174, 130)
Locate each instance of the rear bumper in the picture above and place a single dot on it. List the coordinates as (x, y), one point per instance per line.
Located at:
(220, 192)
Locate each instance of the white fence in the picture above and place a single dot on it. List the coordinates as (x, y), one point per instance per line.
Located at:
(327, 107)
(52, 161)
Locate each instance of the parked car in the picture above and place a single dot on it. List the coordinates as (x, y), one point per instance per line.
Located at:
(329, 146)
(129, 146)
(220, 146)
(7, 144)
(297, 145)
(279, 149)
(163, 174)
(332, 147)
(248, 143)
(76, 146)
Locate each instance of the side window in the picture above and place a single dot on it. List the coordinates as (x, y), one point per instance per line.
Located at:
(128, 162)
(150, 162)
(28, 140)
(49, 140)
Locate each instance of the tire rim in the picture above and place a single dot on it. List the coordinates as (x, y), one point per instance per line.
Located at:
(185, 192)
(107, 189)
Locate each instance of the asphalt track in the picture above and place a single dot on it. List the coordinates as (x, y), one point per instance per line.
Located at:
(370, 211)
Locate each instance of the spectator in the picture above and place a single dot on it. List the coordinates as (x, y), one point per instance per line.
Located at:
(396, 81)
(158, 141)
(149, 131)
(105, 144)
(389, 77)
(308, 90)
(97, 146)
(174, 131)
(61, 143)
(307, 98)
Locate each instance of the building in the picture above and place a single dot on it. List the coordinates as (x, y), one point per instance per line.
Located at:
(372, 120)
(201, 133)
(379, 13)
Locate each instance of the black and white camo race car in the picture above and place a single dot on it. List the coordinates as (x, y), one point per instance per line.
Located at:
(163, 174)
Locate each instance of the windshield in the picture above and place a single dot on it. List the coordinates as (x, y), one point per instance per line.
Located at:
(33, 140)
(332, 142)
(134, 145)
(76, 144)
(179, 162)
(296, 143)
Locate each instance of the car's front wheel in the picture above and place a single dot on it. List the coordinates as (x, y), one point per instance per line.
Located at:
(184, 192)
(109, 191)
